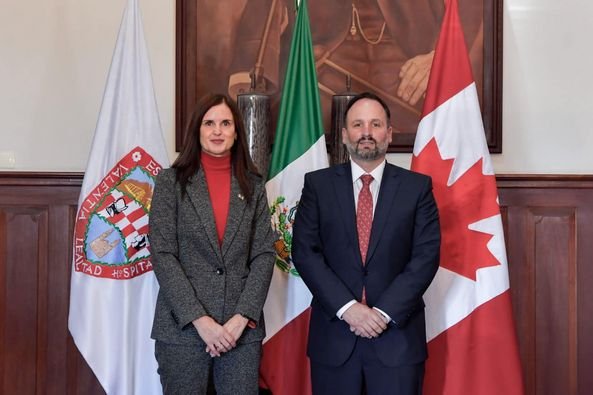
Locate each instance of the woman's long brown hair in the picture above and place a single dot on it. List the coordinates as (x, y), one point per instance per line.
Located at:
(188, 162)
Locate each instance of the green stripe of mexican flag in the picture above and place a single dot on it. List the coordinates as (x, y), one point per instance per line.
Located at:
(299, 147)
(300, 122)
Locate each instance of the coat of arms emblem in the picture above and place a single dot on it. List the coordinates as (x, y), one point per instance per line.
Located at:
(111, 233)
(282, 221)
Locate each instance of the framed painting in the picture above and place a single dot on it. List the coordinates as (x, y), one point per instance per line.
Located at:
(383, 46)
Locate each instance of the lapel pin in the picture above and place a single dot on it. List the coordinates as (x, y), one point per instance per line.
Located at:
(240, 196)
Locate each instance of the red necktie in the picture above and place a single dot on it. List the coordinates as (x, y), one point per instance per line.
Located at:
(364, 215)
(364, 220)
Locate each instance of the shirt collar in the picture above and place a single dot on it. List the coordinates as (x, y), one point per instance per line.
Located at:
(358, 171)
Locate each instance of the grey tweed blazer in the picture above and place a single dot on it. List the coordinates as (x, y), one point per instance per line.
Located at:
(198, 277)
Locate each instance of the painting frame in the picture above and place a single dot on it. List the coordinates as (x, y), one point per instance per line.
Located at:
(187, 92)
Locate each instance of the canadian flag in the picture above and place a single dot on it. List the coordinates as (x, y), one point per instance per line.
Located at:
(471, 337)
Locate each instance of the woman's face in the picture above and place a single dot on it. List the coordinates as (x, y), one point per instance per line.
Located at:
(217, 131)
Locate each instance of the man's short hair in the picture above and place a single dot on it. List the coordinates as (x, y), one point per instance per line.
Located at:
(370, 96)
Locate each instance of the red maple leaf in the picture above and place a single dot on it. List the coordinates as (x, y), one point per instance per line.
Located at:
(471, 198)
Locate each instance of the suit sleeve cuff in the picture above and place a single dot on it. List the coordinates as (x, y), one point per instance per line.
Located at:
(386, 316)
(341, 312)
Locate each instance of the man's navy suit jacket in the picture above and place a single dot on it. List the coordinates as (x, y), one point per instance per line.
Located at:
(402, 259)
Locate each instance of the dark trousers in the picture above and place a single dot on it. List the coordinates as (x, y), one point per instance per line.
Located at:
(184, 369)
(364, 373)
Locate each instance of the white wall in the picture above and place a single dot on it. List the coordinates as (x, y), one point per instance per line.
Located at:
(55, 55)
(54, 60)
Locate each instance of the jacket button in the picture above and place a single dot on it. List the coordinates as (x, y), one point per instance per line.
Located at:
(219, 271)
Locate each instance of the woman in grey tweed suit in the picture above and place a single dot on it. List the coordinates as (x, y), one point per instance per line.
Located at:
(213, 281)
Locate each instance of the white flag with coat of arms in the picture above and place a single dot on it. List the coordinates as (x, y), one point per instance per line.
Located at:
(113, 288)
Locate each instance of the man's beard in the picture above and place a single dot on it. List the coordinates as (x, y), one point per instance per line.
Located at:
(366, 155)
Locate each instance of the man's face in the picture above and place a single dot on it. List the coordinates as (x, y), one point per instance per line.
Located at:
(367, 134)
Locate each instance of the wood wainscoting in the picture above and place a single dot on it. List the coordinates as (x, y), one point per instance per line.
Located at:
(37, 354)
(548, 224)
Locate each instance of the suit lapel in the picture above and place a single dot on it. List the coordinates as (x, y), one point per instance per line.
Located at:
(237, 205)
(197, 190)
(345, 199)
(389, 186)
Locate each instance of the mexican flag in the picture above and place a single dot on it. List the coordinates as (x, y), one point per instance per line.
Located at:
(299, 147)
(471, 337)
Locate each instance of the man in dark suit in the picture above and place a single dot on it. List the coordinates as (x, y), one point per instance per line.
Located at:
(366, 242)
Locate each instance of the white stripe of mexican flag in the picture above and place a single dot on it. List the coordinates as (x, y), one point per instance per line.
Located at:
(289, 296)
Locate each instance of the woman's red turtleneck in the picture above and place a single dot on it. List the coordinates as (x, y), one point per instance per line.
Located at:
(218, 178)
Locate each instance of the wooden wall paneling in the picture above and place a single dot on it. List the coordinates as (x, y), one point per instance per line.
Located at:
(37, 256)
(522, 278)
(3, 232)
(584, 292)
(43, 296)
(555, 267)
(549, 228)
(58, 276)
(70, 373)
(23, 277)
